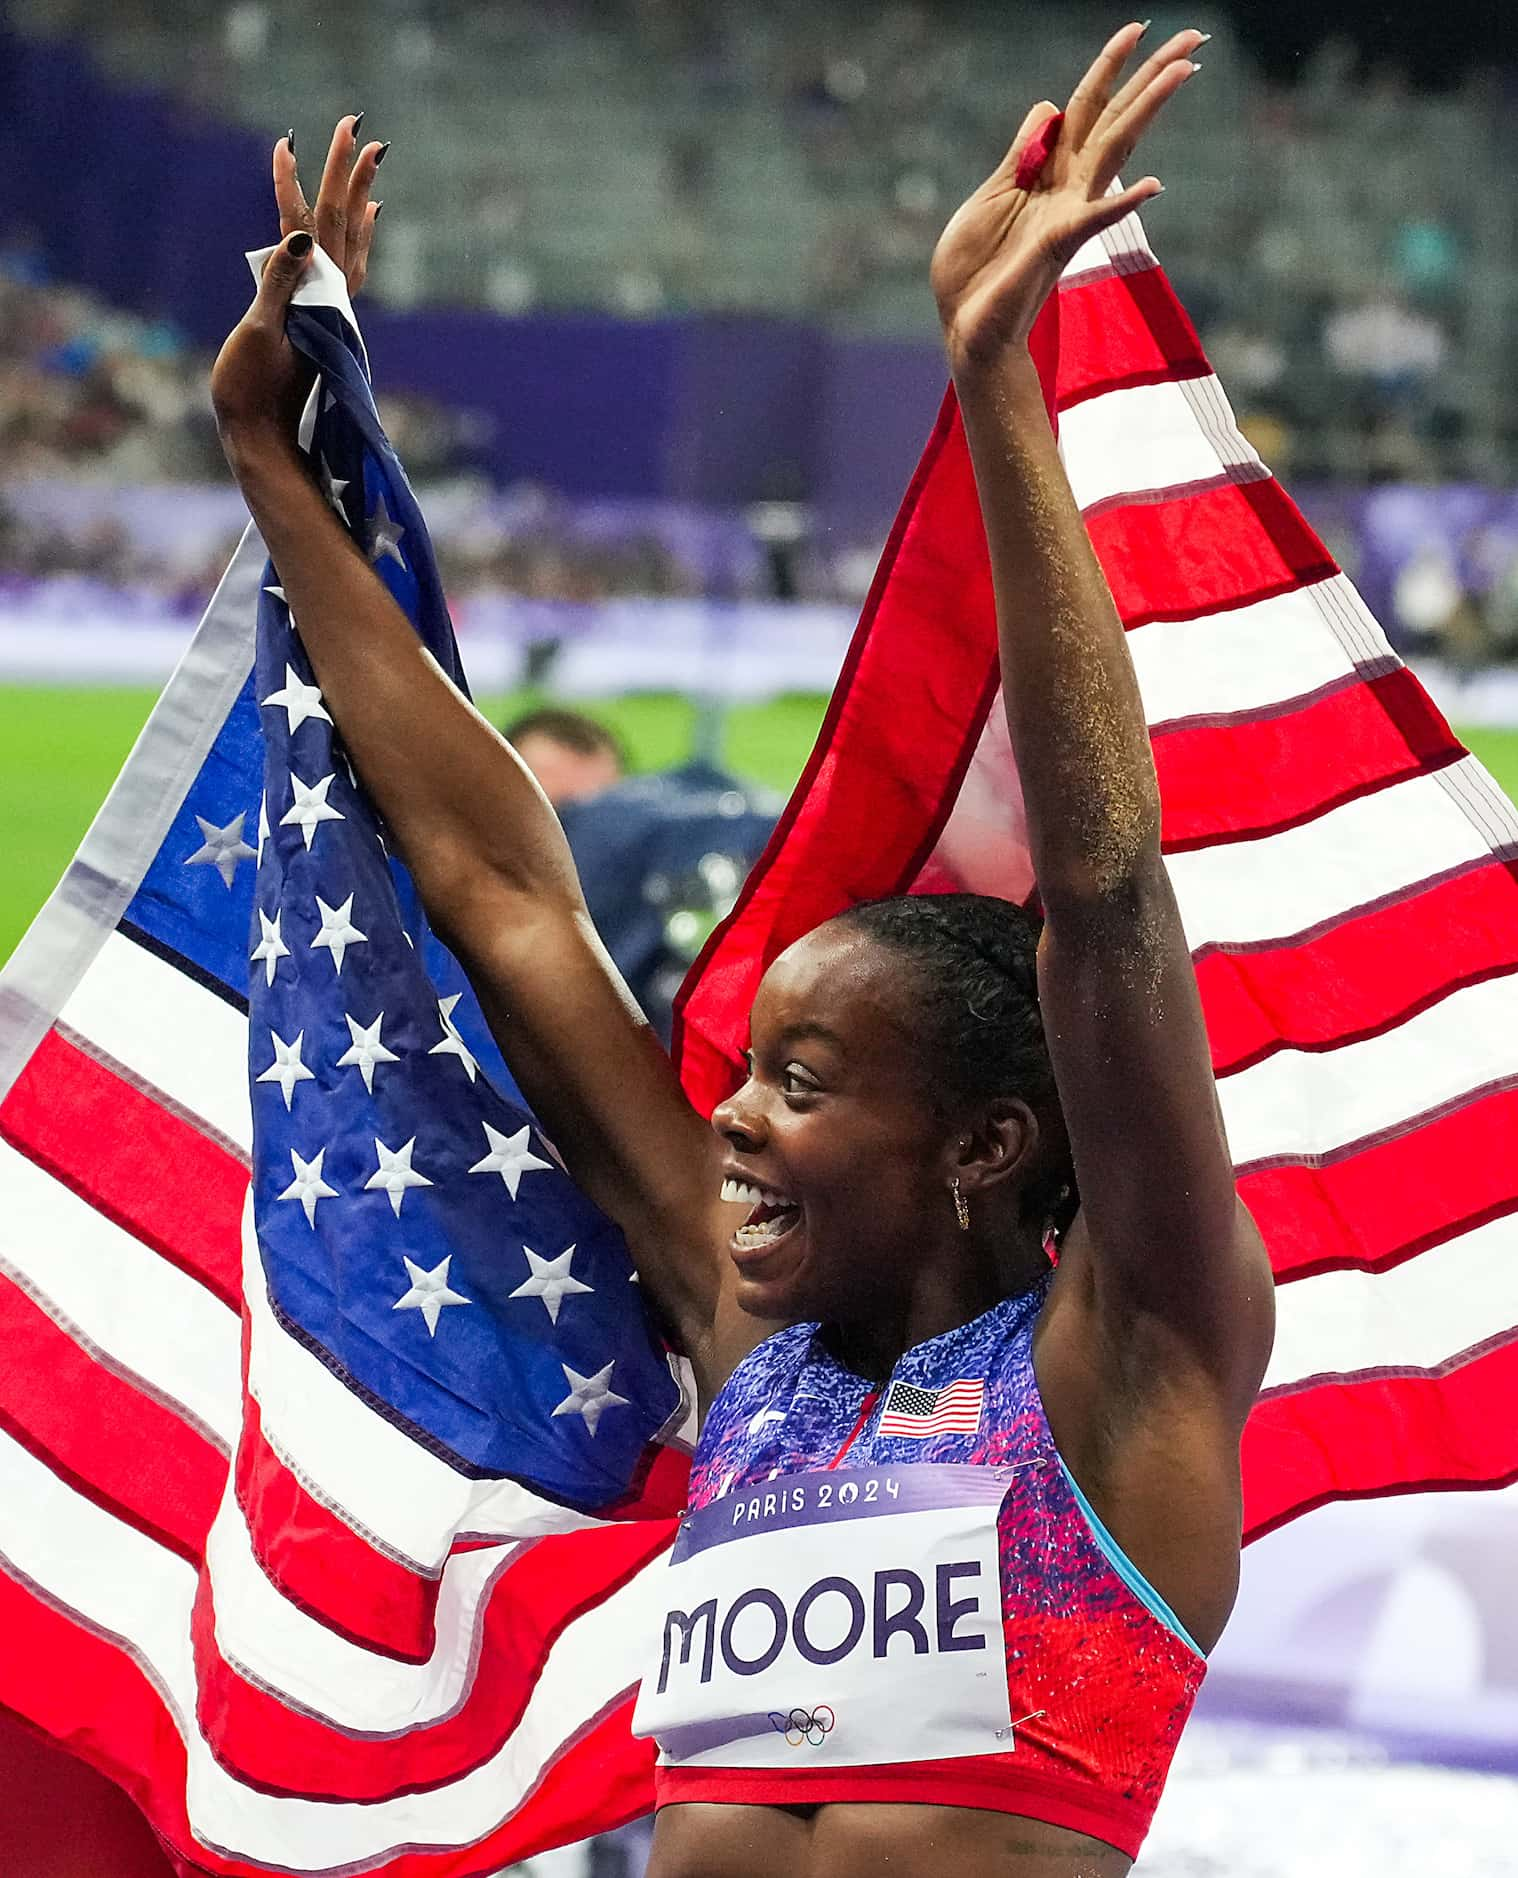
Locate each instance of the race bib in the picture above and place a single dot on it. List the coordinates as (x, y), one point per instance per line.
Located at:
(835, 1619)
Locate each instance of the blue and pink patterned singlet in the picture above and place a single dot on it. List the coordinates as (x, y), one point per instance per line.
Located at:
(852, 1553)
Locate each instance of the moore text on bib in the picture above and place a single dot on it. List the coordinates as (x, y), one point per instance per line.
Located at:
(834, 1619)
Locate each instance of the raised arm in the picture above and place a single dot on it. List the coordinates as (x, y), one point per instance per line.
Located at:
(483, 845)
(1175, 1266)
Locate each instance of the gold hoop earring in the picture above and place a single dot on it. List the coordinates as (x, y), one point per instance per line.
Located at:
(961, 1205)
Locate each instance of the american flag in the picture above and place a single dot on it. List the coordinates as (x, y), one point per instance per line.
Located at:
(296, 1547)
(918, 1413)
(1346, 871)
(330, 1428)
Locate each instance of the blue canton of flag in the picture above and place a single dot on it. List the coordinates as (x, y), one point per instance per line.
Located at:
(417, 1230)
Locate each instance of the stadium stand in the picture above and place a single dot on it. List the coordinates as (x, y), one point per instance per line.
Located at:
(1340, 242)
(766, 185)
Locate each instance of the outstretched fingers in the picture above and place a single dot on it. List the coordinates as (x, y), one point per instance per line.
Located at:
(332, 197)
(1179, 45)
(294, 212)
(362, 212)
(1090, 98)
(1115, 142)
(343, 219)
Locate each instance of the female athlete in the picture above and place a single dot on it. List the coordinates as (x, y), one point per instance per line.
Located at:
(965, 1516)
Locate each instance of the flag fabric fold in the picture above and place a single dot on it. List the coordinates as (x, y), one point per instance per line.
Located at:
(336, 1456)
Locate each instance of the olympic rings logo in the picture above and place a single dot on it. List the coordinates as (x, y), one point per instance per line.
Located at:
(803, 1728)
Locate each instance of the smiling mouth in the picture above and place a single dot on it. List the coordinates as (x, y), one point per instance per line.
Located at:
(771, 1218)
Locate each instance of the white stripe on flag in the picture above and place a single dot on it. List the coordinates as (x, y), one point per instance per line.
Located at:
(1254, 656)
(117, 1296)
(1301, 1103)
(169, 1032)
(123, 1584)
(1147, 438)
(136, 815)
(1279, 885)
(1414, 1316)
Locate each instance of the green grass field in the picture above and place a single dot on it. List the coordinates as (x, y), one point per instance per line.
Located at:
(61, 749)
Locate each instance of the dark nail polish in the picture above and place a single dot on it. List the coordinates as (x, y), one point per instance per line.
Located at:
(1144, 27)
(377, 207)
(300, 245)
(290, 140)
(358, 119)
(381, 154)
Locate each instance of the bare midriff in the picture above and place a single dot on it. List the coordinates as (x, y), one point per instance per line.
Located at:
(866, 1841)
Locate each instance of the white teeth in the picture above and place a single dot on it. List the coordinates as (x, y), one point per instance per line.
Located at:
(747, 1195)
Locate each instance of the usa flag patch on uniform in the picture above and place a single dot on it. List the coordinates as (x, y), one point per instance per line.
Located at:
(917, 1413)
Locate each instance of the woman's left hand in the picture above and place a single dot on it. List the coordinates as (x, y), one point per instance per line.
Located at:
(1001, 254)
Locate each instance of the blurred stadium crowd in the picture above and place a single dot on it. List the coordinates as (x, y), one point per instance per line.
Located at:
(93, 392)
(1341, 243)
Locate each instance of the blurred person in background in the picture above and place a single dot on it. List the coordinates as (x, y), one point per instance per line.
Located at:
(661, 857)
(1386, 344)
(571, 755)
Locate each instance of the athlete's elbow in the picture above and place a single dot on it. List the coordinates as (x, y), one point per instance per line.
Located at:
(472, 898)
(1122, 889)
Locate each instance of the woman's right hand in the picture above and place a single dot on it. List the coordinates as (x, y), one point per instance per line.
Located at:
(259, 383)
(343, 220)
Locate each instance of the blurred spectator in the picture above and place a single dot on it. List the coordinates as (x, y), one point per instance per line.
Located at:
(661, 857)
(1427, 256)
(1387, 343)
(572, 756)
(799, 158)
(1428, 596)
(87, 391)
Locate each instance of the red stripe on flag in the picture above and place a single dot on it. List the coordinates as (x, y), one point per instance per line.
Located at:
(86, 1690)
(1362, 975)
(1376, 1205)
(322, 1565)
(880, 780)
(1358, 1437)
(1206, 553)
(275, 1748)
(110, 1441)
(1120, 331)
(135, 1161)
(342, 1580)
(660, 1487)
(1245, 777)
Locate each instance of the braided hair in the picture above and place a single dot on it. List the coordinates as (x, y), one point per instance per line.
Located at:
(976, 959)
